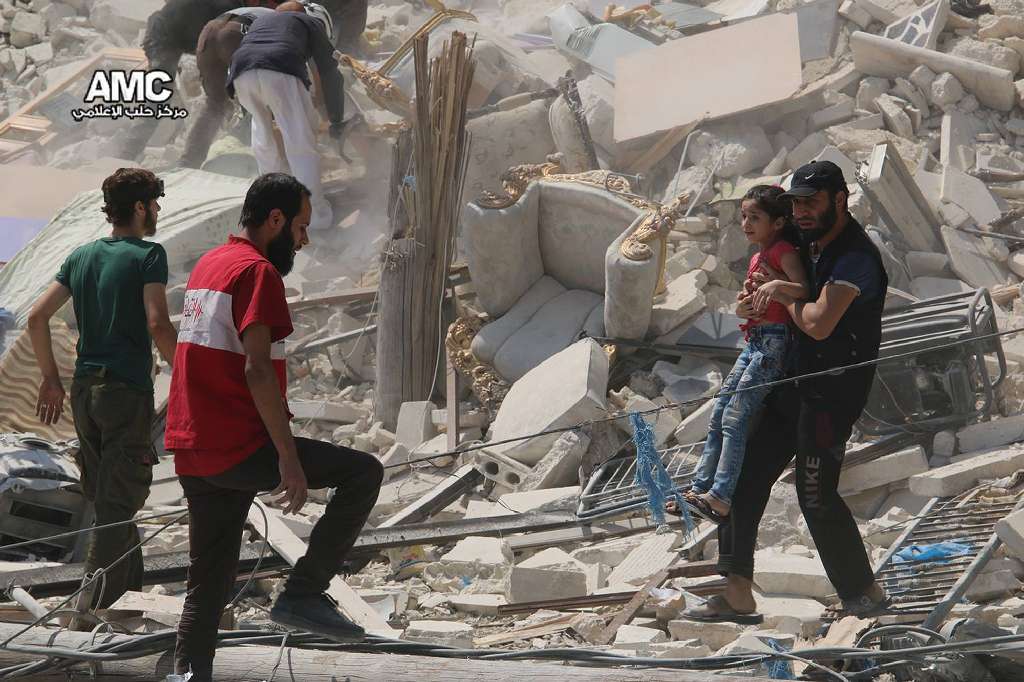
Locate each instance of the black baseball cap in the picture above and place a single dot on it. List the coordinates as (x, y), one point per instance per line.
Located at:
(811, 178)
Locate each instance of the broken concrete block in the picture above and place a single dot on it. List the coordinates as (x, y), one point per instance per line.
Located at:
(551, 499)
(896, 119)
(945, 91)
(125, 18)
(655, 554)
(784, 574)
(663, 423)
(1016, 263)
(1000, 27)
(683, 298)
(560, 466)
(1010, 530)
(984, 52)
(807, 149)
(944, 444)
(735, 149)
(991, 434)
(478, 557)
(40, 54)
(444, 632)
(694, 428)
(992, 584)
(790, 613)
(878, 56)
(414, 423)
(27, 28)
(396, 454)
(866, 503)
(870, 89)
(910, 92)
(970, 194)
(852, 12)
(551, 574)
(338, 412)
(971, 260)
(478, 604)
(905, 207)
(922, 77)
(715, 635)
(887, 469)
(500, 469)
(965, 471)
(634, 634)
(573, 382)
(608, 552)
(957, 141)
(927, 264)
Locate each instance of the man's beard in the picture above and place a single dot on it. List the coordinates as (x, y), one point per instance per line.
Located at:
(149, 224)
(825, 222)
(281, 250)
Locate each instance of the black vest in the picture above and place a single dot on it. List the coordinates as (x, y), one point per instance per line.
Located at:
(857, 335)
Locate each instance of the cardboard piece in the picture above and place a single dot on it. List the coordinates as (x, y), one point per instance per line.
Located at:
(707, 81)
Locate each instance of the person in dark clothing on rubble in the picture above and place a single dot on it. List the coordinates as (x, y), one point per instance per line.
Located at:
(170, 33)
(217, 43)
(840, 324)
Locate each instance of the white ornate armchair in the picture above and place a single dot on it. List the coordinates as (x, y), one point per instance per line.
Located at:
(555, 257)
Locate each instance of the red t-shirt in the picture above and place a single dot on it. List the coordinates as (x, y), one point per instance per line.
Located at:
(776, 312)
(212, 421)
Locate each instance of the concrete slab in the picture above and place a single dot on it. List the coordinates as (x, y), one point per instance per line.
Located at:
(715, 635)
(970, 194)
(965, 471)
(635, 634)
(956, 148)
(991, 434)
(895, 467)
(414, 423)
(573, 383)
(446, 632)
(789, 613)
(683, 298)
(602, 46)
(478, 604)
(655, 554)
(647, 96)
(1010, 530)
(971, 261)
(786, 574)
(900, 200)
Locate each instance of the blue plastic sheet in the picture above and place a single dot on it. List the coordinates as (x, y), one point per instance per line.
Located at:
(939, 552)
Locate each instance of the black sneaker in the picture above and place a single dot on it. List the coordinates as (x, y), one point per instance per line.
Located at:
(866, 607)
(317, 614)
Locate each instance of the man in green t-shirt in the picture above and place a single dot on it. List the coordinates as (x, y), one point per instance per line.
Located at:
(117, 286)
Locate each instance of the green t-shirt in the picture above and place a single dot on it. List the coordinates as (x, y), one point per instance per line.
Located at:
(106, 278)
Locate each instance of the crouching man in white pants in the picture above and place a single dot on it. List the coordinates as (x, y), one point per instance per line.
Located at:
(269, 76)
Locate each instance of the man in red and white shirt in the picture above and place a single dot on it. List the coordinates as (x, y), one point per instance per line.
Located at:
(228, 426)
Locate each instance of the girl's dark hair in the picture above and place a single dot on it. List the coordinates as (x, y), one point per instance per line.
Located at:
(770, 200)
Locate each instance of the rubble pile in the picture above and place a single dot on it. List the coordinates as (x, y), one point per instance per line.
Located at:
(919, 104)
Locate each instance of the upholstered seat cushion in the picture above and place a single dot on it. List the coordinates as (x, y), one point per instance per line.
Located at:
(547, 319)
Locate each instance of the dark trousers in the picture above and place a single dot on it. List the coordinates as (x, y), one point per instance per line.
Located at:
(114, 421)
(217, 509)
(217, 43)
(815, 431)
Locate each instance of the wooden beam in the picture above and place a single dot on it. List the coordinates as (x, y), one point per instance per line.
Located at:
(247, 663)
(452, 401)
(629, 610)
(291, 548)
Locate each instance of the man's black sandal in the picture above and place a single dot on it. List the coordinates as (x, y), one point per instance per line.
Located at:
(700, 507)
(717, 610)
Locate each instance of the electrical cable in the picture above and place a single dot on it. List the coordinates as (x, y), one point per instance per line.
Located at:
(696, 401)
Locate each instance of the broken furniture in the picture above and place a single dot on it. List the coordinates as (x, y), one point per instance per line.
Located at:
(40, 498)
(936, 388)
(560, 257)
(612, 489)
